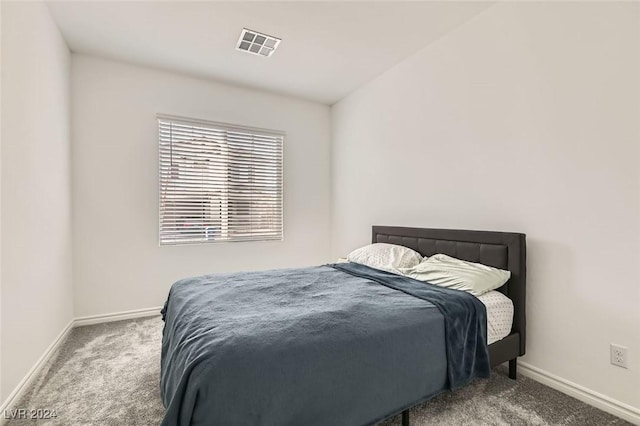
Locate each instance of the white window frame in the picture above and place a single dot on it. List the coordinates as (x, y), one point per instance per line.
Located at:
(226, 231)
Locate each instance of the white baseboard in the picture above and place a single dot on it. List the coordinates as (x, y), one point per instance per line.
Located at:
(26, 381)
(17, 393)
(118, 316)
(598, 400)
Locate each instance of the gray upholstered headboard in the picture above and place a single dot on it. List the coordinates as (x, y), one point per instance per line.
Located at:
(504, 250)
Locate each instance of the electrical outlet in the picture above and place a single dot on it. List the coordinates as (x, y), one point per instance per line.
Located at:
(619, 355)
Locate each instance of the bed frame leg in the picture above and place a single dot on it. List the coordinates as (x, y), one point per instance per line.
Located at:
(405, 418)
(513, 366)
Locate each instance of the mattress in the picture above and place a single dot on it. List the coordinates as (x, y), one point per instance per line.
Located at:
(332, 345)
(499, 315)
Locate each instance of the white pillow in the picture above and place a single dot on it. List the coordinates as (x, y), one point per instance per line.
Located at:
(387, 257)
(447, 271)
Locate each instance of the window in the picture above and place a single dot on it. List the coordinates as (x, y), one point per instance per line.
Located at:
(218, 182)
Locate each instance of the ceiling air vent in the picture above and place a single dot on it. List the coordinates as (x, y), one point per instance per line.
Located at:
(257, 43)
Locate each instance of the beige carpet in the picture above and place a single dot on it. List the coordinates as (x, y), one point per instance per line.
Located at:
(108, 374)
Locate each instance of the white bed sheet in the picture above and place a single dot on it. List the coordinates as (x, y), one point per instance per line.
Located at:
(499, 315)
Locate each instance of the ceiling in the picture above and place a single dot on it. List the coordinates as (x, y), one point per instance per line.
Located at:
(328, 49)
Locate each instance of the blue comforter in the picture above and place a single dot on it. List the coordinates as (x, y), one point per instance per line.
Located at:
(339, 344)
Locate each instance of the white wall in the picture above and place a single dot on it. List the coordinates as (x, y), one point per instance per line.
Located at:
(1, 392)
(118, 264)
(523, 119)
(36, 189)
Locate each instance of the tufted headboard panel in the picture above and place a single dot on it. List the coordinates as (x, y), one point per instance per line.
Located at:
(504, 250)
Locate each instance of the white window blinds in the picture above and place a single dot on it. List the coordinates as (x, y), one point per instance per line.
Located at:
(218, 182)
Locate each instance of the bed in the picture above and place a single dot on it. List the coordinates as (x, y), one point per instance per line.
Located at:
(334, 344)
